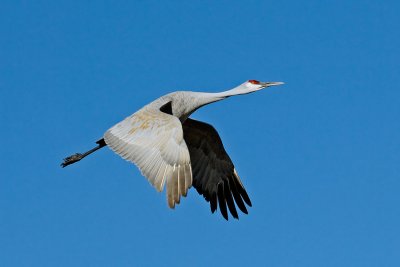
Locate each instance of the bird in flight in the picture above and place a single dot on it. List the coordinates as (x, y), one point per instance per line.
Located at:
(173, 151)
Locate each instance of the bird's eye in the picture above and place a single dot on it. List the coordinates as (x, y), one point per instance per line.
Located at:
(254, 82)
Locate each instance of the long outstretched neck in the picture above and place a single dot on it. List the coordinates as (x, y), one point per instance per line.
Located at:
(78, 156)
(208, 98)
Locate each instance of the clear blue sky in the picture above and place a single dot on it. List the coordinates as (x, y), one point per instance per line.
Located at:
(319, 156)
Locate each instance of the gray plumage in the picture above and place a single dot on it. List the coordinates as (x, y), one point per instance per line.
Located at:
(177, 152)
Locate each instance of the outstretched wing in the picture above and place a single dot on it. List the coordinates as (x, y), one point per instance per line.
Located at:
(153, 140)
(214, 175)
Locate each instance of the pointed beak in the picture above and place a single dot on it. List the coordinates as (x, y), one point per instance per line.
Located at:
(268, 84)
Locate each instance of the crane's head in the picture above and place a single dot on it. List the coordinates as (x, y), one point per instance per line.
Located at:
(248, 87)
(254, 85)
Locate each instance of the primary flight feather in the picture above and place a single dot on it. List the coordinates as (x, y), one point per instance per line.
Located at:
(173, 151)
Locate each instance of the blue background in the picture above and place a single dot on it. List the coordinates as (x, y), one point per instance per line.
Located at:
(319, 156)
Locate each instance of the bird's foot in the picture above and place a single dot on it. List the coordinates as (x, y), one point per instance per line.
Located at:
(72, 159)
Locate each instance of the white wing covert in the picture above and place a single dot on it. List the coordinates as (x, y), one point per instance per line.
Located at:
(153, 141)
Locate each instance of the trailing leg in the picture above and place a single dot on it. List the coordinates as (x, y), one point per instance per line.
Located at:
(78, 156)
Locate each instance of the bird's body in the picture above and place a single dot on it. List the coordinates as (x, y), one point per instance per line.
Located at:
(172, 150)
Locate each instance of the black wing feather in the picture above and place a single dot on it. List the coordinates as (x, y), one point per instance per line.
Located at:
(229, 200)
(214, 174)
(221, 201)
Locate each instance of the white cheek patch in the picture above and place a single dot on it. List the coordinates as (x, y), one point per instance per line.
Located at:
(252, 86)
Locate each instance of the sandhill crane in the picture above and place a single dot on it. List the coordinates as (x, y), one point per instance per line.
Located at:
(171, 149)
